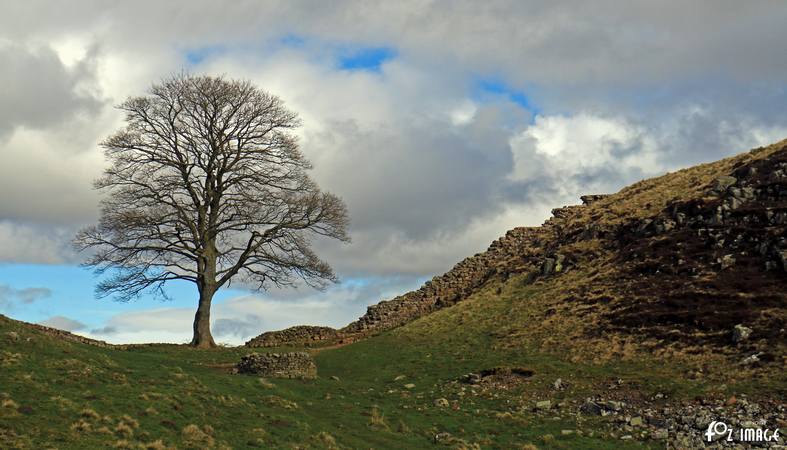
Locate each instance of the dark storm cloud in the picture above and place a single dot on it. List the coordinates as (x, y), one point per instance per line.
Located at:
(39, 91)
(663, 85)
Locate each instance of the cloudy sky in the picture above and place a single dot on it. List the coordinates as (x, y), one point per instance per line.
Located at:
(441, 124)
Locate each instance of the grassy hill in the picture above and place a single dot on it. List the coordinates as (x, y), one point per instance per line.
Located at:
(628, 344)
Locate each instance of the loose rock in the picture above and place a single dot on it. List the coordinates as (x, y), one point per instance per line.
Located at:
(740, 333)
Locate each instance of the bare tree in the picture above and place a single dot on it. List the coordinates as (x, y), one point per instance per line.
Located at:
(207, 185)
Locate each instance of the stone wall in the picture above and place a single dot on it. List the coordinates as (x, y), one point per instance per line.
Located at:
(304, 335)
(521, 249)
(279, 365)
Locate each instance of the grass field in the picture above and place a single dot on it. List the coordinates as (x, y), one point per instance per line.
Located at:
(379, 393)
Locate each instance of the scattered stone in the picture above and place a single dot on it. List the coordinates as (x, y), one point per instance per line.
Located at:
(660, 434)
(409, 386)
(721, 184)
(740, 333)
(335, 378)
(613, 405)
(13, 336)
(548, 266)
(544, 404)
(279, 365)
(441, 403)
(559, 385)
(442, 437)
(400, 378)
(471, 378)
(592, 198)
(751, 360)
(726, 262)
(591, 408)
(636, 421)
(566, 432)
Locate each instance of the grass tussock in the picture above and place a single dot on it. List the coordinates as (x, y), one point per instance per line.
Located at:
(377, 419)
(195, 437)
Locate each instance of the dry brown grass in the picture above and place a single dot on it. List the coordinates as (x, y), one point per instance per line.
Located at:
(89, 414)
(377, 419)
(196, 438)
(647, 197)
(81, 426)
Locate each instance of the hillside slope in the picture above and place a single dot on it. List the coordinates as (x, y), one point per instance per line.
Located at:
(669, 264)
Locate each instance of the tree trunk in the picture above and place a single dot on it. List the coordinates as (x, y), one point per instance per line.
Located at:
(202, 337)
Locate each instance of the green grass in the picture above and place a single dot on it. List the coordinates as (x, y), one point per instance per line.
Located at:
(59, 394)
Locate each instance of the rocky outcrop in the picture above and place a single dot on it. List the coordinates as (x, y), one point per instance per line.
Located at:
(302, 335)
(706, 265)
(279, 365)
(590, 199)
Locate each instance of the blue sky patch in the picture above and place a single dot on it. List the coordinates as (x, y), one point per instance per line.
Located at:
(486, 87)
(368, 58)
(196, 56)
(73, 295)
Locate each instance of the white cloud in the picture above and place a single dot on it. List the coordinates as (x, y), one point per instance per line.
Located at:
(63, 323)
(575, 149)
(9, 296)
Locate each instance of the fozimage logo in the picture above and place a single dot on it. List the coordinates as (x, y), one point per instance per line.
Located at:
(720, 430)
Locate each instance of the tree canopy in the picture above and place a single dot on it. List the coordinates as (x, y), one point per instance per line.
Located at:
(207, 184)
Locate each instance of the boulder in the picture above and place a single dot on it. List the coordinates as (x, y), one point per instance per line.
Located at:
(740, 333)
(726, 261)
(589, 199)
(544, 405)
(720, 185)
(548, 267)
(591, 408)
